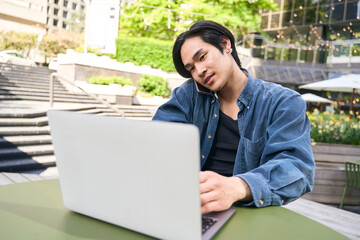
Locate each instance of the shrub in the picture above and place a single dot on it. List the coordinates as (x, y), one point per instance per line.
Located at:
(335, 128)
(154, 85)
(145, 51)
(106, 80)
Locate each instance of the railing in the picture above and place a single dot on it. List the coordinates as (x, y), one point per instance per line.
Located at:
(51, 94)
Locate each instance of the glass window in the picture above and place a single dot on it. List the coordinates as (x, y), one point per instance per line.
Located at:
(64, 25)
(324, 14)
(287, 5)
(286, 19)
(310, 16)
(74, 6)
(278, 3)
(82, 7)
(324, 2)
(353, 10)
(66, 3)
(299, 4)
(312, 3)
(337, 12)
(65, 13)
(298, 17)
(264, 21)
(275, 20)
(55, 22)
(56, 11)
(56, 1)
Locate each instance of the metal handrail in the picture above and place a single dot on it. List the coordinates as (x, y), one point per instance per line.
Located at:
(95, 96)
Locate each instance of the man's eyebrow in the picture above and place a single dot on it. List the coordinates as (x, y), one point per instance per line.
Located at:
(194, 56)
(197, 53)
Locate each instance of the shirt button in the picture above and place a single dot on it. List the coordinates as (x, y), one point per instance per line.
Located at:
(209, 136)
(261, 202)
(215, 115)
(202, 156)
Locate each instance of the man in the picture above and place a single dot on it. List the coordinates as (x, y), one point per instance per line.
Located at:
(255, 135)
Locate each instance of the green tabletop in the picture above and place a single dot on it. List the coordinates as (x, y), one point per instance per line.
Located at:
(35, 211)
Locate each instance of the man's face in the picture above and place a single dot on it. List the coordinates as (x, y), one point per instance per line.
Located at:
(207, 65)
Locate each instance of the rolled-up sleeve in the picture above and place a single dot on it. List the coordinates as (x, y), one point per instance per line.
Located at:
(287, 166)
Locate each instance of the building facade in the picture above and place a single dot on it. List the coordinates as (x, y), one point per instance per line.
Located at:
(65, 15)
(310, 31)
(23, 16)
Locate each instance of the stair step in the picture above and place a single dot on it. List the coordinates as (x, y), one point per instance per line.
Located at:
(23, 115)
(40, 92)
(27, 77)
(25, 140)
(36, 150)
(22, 68)
(16, 131)
(45, 99)
(40, 121)
(27, 163)
(8, 85)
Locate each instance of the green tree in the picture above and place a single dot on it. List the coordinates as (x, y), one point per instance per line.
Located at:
(58, 42)
(167, 18)
(22, 42)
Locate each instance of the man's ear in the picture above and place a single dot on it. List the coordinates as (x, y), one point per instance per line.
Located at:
(225, 43)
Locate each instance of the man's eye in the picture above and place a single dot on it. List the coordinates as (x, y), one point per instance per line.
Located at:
(191, 69)
(202, 57)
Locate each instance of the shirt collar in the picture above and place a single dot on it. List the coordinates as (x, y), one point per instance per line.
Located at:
(248, 91)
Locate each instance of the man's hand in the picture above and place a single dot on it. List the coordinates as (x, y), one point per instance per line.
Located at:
(219, 193)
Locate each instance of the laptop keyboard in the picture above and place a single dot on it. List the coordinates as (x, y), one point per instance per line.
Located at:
(207, 222)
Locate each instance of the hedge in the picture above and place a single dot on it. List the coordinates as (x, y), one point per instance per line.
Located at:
(145, 51)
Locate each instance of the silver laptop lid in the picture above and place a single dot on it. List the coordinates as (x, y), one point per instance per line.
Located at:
(140, 175)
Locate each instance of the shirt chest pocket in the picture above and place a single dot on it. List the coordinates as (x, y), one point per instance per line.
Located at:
(251, 152)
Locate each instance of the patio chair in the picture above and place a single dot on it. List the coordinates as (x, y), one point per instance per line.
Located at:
(352, 171)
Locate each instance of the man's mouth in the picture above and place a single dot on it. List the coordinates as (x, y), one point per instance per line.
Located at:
(209, 79)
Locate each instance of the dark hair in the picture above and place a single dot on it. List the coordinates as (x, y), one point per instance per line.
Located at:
(210, 32)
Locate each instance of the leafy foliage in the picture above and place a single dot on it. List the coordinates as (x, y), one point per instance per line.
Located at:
(106, 80)
(145, 51)
(166, 19)
(58, 42)
(335, 128)
(22, 42)
(156, 86)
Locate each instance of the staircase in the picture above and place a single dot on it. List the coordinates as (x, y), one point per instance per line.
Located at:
(25, 141)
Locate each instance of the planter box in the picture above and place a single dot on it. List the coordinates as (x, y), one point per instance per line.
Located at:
(151, 101)
(330, 173)
(113, 93)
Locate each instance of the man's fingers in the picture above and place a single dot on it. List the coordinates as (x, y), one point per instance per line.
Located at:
(213, 206)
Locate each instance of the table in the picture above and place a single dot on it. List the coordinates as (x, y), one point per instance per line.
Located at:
(34, 210)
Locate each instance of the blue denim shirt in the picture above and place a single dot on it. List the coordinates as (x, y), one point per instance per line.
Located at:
(274, 155)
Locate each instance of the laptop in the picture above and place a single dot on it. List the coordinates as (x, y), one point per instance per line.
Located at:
(140, 175)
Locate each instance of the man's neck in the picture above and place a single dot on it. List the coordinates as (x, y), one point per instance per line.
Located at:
(234, 87)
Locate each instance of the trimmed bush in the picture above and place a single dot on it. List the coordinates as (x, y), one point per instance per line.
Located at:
(106, 80)
(156, 86)
(145, 51)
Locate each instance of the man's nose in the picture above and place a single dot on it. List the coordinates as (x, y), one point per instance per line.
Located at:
(200, 70)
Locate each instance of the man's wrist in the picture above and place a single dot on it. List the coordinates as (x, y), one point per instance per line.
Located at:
(243, 191)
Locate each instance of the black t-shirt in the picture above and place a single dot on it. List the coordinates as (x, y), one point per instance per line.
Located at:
(223, 151)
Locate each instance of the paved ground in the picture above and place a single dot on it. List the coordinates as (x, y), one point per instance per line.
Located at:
(354, 209)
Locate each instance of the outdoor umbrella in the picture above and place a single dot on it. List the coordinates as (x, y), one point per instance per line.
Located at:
(309, 97)
(345, 83)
